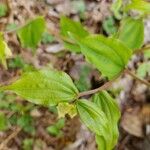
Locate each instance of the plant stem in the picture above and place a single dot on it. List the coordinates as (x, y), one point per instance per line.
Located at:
(136, 77)
(101, 88)
(142, 49)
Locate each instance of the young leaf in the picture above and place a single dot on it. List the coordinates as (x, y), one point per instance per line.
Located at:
(31, 34)
(66, 108)
(69, 26)
(110, 108)
(132, 33)
(5, 52)
(45, 87)
(139, 5)
(95, 120)
(108, 55)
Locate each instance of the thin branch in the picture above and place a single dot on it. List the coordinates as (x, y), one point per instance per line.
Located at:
(136, 77)
(101, 88)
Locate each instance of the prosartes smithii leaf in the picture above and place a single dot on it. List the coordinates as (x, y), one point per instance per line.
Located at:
(131, 33)
(108, 55)
(69, 26)
(96, 120)
(31, 34)
(45, 87)
(110, 108)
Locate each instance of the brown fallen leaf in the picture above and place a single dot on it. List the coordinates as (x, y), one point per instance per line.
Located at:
(132, 122)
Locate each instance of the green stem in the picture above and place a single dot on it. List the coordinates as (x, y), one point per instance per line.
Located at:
(101, 88)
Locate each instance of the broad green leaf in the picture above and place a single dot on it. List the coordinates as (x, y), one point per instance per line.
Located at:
(69, 26)
(44, 87)
(132, 33)
(143, 69)
(116, 7)
(5, 52)
(139, 5)
(95, 119)
(110, 108)
(108, 55)
(3, 122)
(30, 34)
(66, 108)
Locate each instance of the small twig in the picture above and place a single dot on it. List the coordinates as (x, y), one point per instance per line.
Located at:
(101, 88)
(10, 137)
(136, 77)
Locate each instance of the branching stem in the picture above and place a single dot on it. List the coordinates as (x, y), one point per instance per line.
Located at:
(101, 88)
(137, 78)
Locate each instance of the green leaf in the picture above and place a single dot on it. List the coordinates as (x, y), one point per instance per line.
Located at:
(110, 108)
(101, 143)
(3, 9)
(3, 122)
(139, 5)
(109, 25)
(26, 122)
(143, 69)
(16, 62)
(95, 120)
(11, 27)
(108, 55)
(31, 34)
(60, 123)
(66, 108)
(44, 87)
(132, 33)
(27, 144)
(47, 38)
(54, 131)
(69, 26)
(5, 52)
(116, 7)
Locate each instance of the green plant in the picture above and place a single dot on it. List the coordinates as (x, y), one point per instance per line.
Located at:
(3, 9)
(110, 55)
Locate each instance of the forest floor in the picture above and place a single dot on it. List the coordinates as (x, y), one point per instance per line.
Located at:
(27, 126)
